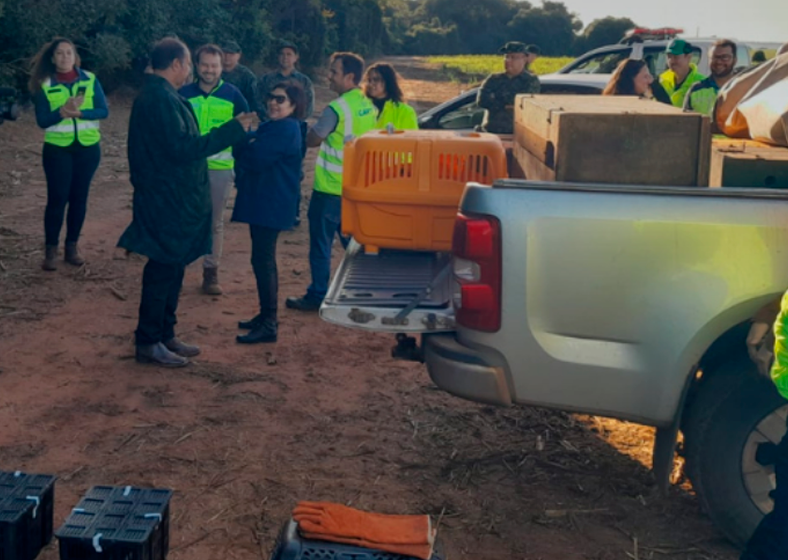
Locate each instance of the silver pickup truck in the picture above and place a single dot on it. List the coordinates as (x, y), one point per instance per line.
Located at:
(620, 301)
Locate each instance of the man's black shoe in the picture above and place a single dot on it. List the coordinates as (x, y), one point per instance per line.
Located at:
(159, 355)
(252, 323)
(179, 347)
(302, 304)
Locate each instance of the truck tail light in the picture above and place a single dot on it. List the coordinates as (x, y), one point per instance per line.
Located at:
(476, 247)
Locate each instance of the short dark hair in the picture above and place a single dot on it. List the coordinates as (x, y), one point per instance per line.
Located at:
(210, 48)
(725, 43)
(390, 80)
(167, 51)
(351, 64)
(295, 93)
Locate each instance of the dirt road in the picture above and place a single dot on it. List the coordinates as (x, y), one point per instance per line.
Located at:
(245, 432)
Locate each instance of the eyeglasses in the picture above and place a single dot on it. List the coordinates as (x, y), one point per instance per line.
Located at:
(723, 57)
(279, 99)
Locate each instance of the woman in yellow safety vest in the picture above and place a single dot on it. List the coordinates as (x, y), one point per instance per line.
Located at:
(69, 103)
(383, 89)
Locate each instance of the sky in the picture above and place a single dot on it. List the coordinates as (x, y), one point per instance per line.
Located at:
(745, 20)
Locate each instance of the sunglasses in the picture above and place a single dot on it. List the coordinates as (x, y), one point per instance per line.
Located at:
(280, 99)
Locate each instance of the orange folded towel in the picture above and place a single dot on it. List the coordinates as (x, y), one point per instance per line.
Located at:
(409, 535)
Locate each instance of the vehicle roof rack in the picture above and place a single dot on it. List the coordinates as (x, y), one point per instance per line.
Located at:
(641, 34)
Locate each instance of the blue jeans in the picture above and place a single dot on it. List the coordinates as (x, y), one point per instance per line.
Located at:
(325, 219)
(770, 540)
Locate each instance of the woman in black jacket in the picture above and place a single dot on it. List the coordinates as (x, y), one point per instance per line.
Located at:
(268, 180)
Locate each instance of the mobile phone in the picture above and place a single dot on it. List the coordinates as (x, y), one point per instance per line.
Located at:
(81, 90)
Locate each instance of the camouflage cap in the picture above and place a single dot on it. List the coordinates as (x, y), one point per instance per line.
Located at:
(513, 47)
(231, 47)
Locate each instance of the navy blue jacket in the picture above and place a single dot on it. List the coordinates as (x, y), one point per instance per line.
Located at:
(268, 176)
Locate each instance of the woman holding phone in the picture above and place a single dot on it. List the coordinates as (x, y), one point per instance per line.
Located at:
(69, 103)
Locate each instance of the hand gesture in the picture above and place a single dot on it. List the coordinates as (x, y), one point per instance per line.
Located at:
(71, 108)
(248, 120)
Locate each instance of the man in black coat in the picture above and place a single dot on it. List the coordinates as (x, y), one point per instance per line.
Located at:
(171, 222)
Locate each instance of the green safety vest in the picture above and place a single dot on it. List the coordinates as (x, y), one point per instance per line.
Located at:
(357, 115)
(212, 112)
(668, 81)
(66, 131)
(702, 101)
(780, 367)
(400, 115)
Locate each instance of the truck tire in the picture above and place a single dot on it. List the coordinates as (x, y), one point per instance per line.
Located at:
(735, 414)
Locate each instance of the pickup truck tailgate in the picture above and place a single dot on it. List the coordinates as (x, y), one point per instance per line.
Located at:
(392, 291)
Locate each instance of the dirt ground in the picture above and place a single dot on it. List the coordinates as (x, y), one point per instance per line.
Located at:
(324, 414)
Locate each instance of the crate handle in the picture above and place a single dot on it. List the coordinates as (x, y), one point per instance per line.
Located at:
(37, 500)
(17, 474)
(96, 544)
(153, 516)
(127, 491)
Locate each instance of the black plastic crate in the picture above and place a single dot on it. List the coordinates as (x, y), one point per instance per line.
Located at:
(118, 523)
(26, 509)
(290, 546)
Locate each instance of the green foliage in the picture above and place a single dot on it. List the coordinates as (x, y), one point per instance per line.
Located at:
(478, 67)
(114, 36)
(601, 32)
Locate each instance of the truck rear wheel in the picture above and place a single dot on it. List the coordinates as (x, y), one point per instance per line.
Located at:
(731, 427)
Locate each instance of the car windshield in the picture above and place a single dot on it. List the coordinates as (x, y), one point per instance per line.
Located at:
(606, 62)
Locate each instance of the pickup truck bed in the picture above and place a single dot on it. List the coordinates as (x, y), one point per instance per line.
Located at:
(391, 291)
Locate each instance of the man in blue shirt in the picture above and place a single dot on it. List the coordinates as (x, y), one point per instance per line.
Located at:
(702, 96)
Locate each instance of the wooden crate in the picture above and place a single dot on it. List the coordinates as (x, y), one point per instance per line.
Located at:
(606, 139)
(746, 163)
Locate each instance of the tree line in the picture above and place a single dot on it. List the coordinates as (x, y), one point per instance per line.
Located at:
(114, 36)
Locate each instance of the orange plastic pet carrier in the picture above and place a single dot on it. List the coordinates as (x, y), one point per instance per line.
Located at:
(401, 190)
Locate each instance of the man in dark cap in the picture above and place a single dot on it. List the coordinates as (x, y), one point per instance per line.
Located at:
(239, 75)
(499, 90)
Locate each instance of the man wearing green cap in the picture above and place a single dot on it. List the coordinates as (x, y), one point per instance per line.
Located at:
(239, 75)
(681, 73)
(499, 90)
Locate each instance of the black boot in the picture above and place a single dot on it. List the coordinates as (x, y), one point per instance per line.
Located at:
(252, 323)
(266, 331)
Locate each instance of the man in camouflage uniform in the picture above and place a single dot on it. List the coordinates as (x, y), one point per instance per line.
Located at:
(239, 75)
(499, 90)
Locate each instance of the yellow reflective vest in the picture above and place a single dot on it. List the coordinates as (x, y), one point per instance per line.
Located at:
(677, 94)
(400, 115)
(66, 131)
(356, 115)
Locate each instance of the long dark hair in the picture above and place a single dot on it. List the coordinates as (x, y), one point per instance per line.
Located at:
(295, 93)
(390, 81)
(42, 65)
(623, 80)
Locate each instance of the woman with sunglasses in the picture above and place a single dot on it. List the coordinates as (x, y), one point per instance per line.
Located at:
(384, 91)
(268, 178)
